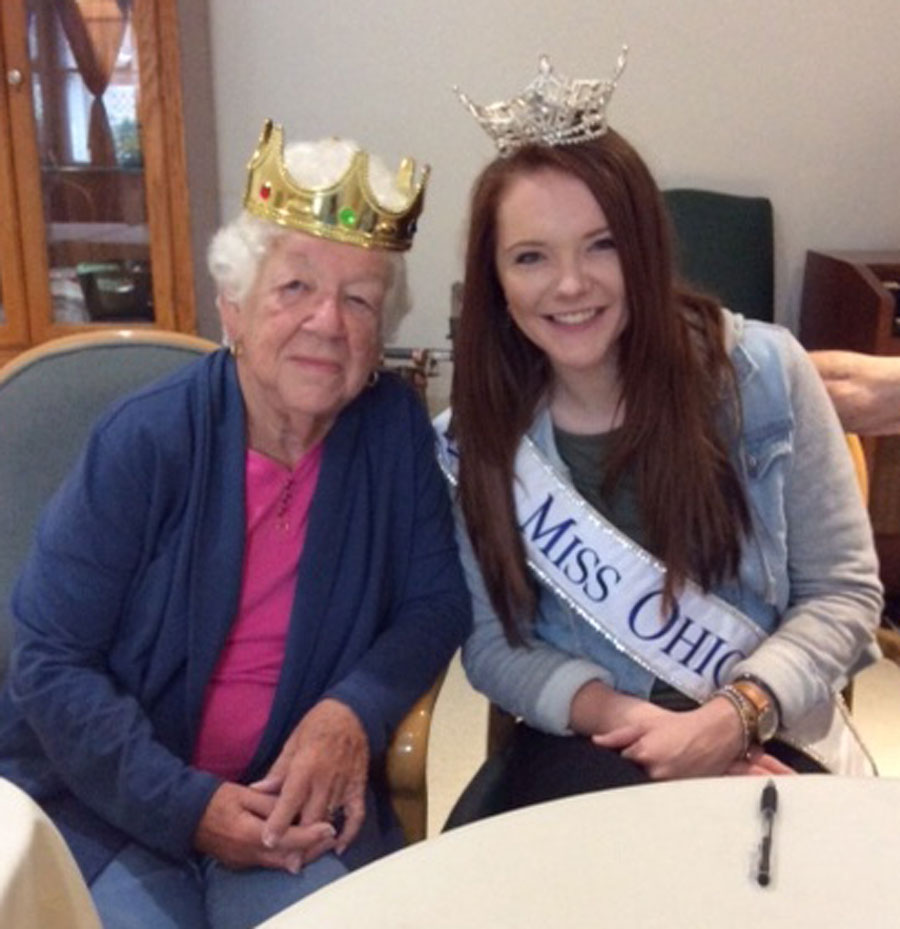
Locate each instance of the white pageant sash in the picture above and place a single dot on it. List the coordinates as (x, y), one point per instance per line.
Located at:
(616, 587)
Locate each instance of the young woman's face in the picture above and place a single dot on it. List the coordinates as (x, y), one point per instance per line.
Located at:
(560, 271)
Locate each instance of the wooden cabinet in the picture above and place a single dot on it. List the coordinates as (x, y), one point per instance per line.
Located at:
(851, 301)
(94, 215)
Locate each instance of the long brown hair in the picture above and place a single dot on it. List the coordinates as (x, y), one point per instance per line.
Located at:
(674, 372)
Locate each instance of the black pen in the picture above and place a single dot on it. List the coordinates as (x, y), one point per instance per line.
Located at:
(768, 804)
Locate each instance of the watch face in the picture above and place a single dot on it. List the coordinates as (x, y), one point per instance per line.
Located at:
(766, 724)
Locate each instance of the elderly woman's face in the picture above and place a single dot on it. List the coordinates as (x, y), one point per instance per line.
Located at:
(309, 330)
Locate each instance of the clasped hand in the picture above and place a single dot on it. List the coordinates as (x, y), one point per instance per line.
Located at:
(695, 743)
(284, 820)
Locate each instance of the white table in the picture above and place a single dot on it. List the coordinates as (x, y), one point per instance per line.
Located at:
(40, 884)
(680, 854)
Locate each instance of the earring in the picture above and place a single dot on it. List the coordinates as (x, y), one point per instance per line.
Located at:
(236, 349)
(373, 378)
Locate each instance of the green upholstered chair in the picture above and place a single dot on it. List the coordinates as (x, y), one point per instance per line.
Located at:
(724, 246)
(49, 397)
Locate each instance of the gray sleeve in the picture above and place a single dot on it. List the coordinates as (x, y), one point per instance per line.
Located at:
(536, 682)
(827, 631)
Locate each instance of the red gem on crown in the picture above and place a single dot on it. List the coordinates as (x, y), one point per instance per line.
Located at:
(265, 191)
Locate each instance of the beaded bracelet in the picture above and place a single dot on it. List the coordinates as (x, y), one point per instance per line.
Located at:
(745, 712)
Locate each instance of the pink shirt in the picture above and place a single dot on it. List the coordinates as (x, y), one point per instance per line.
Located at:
(241, 690)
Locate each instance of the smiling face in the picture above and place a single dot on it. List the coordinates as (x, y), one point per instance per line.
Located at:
(559, 268)
(308, 333)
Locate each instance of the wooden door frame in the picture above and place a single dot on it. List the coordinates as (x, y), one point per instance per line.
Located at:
(14, 332)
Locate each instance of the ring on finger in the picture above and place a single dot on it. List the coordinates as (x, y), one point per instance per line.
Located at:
(337, 817)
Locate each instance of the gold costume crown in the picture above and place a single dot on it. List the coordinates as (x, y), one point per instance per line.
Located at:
(346, 211)
(552, 110)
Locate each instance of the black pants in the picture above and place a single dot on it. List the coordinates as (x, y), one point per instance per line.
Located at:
(540, 767)
(536, 767)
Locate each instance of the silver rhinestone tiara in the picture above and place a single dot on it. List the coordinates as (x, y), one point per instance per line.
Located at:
(552, 110)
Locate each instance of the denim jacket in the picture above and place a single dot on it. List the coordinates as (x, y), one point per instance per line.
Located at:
(808, 574)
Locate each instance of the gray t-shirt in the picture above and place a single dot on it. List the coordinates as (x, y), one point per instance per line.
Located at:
(586, 457)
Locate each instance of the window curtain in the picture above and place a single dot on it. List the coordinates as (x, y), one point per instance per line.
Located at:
(94, 30)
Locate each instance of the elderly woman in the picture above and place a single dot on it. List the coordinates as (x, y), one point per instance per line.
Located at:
(247, 579)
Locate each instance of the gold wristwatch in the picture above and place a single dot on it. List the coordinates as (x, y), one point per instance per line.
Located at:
(764, 704)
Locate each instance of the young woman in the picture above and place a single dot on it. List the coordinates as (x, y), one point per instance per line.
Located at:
(672, 569)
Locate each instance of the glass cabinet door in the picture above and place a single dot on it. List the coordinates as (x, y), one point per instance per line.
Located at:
(85, 88)
(89, 140)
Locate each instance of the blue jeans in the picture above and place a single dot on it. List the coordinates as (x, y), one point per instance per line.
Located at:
(139, 889)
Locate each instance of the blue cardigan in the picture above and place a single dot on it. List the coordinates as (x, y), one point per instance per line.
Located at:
(128, 594)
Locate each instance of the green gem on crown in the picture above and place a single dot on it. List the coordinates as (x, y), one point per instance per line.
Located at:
(347, 217)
